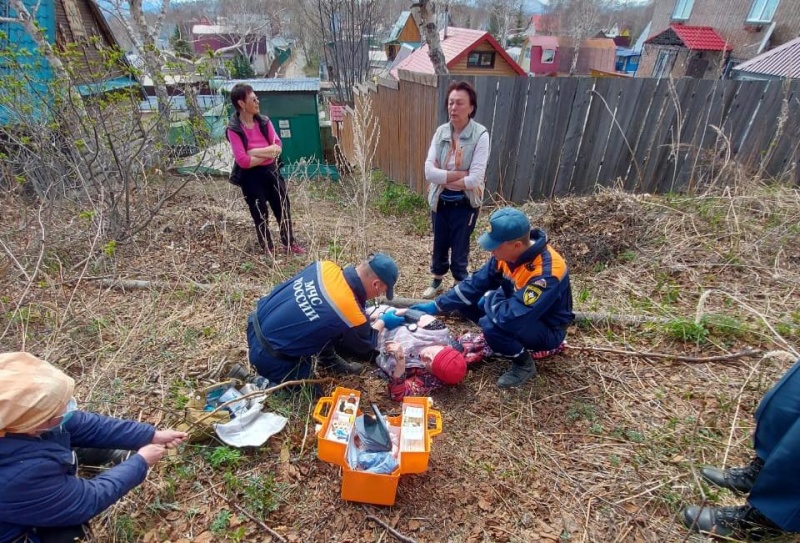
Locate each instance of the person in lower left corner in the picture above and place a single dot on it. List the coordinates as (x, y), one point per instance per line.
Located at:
(42, 500)
(420, 356)
(771, 480)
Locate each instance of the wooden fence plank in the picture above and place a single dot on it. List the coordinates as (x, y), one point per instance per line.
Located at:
(608, 100)
(742, 111)
(756, 143)
(659, 104)
(529, 115)
(554, 136)
(635, 103)
(593, 137)
(574, 134)
(784, 148)
(693, 108)
(508, 109)
(555, 121)
(658, 146)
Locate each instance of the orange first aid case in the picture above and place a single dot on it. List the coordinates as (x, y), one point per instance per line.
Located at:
(416, 436)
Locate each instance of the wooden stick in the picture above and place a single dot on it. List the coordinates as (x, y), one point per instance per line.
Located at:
(391, 530)
(693, 359)
(594, 318)
(246, 513)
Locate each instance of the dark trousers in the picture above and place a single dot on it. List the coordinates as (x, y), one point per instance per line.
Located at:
(776, 492)
(452, 226)
(64, 534)
(533, 337)
(262, 186)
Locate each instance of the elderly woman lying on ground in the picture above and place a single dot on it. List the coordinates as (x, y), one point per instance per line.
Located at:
(422, 356)
(41, 498)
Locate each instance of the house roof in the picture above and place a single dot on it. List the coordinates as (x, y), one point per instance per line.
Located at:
(398, 26)
(458, 43)
(200, 30)
(545, 42)
(699, 38)
(783, 61)
(275, 85)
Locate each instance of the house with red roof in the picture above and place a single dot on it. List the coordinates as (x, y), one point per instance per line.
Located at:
(466, 52)
(689, 51)
(707, 38)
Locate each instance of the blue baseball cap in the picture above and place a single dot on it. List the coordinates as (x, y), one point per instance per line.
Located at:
(386, 269)
(505, 224)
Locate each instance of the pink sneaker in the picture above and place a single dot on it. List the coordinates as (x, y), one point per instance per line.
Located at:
(538, 355)
(294, 249)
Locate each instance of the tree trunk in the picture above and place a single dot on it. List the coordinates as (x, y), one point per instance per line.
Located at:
(154, 61)
(426, 19)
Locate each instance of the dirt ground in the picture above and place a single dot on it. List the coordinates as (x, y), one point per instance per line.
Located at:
(602, 446)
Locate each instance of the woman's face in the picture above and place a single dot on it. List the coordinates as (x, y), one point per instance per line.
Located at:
(427, 354)
(459, 107)
(250, 104)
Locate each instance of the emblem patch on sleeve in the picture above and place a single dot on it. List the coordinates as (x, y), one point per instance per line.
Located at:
(531, 294)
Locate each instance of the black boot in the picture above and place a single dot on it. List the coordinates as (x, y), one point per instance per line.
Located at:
(330, 360)
(741, 522)
(239, 372)
(522, 368)
(736, 479)
(94, 458)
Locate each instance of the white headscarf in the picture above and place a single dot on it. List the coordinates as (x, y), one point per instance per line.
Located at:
(32, 392)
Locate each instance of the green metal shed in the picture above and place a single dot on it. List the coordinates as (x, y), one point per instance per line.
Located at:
(292, 106)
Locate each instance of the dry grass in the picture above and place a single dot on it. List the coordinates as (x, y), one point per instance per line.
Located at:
(601, 447)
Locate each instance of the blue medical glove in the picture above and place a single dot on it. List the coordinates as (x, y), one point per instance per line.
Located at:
(428, 307)
(392, 321)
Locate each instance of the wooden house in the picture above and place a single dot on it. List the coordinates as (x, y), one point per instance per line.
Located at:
(747, 28)
(552, 55)
(466, 52)
(404, 31)
(66, 24)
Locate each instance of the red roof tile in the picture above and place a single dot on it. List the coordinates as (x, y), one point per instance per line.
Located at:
(458, 43)
(699, 38)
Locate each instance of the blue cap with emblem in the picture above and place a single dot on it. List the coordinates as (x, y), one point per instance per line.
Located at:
(505, 224)
(386, 269)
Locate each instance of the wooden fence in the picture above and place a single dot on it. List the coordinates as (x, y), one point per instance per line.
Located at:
(566, 135)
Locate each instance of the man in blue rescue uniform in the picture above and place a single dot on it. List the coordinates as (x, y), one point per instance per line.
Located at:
(320, 308)
(771, 479)
(521, 298)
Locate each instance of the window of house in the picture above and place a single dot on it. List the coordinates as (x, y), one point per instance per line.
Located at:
(664, 63)
(480, 59)
(528, 52)
(548, 56)
(762, 11)
(683, 8)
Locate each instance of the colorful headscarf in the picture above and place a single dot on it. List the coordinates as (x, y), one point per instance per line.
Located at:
(32, 392)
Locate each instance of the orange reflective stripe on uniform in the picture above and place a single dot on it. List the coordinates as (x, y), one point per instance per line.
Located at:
(337, 292)
(550, 262)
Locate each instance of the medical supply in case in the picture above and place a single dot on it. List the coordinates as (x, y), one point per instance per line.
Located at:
(339, 417)
(411, 446)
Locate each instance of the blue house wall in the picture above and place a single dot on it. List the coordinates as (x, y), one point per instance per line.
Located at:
(19, 51)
